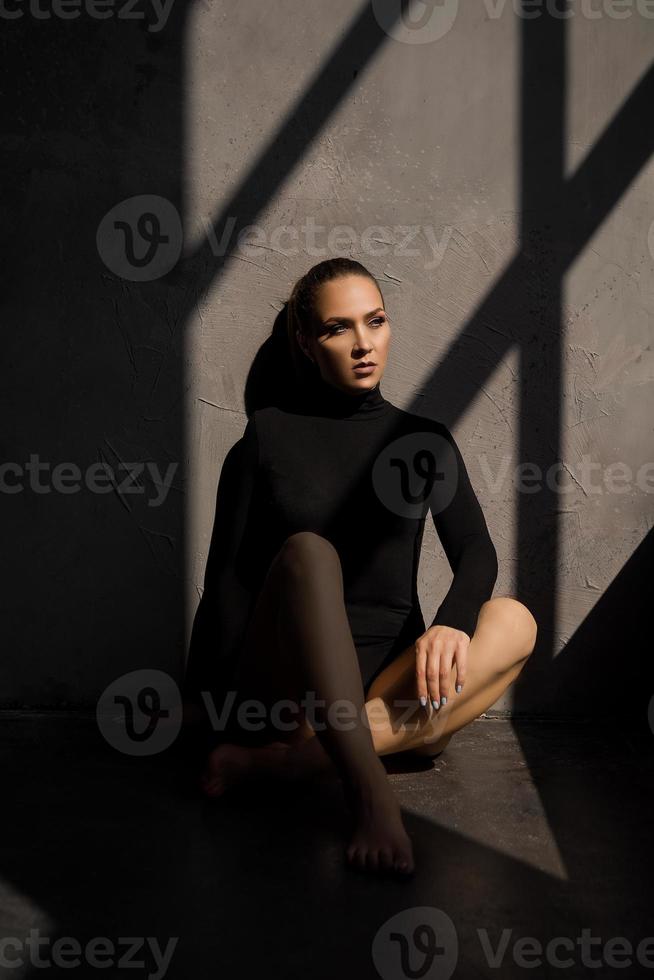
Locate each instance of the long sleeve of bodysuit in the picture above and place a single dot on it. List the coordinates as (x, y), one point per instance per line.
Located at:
(463, 532)
(224, 607)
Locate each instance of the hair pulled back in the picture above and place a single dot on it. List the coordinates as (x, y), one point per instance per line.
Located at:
(300, 307)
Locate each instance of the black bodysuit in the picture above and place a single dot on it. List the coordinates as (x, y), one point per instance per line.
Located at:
(364, 474)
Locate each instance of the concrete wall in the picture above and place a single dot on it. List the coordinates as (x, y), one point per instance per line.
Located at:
(474, 164)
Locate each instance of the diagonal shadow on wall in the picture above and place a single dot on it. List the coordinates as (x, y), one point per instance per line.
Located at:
(522, 311)
(101, 840)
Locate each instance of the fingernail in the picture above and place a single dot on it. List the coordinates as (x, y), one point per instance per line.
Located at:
(423, 701)
(458, 688)
(435, 705)
(443, 700)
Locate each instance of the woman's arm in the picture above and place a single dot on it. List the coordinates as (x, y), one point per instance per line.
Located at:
(222, 614)
(463, 532)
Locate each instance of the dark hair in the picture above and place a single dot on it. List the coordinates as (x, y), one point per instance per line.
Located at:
(300, 307)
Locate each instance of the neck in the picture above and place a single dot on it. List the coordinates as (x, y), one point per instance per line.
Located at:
(365, 403)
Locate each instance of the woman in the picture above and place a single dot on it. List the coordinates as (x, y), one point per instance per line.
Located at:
(310, 611)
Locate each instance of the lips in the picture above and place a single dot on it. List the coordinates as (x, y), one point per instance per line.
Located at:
(365, 364)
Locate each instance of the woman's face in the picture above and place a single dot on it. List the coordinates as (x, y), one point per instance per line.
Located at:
(350, 328)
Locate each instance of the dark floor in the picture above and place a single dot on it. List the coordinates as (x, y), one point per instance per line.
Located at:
(520, 830)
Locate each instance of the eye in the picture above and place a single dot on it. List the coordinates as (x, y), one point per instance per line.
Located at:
(336, 329)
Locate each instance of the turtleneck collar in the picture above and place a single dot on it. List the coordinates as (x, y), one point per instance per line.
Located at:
(326, 399)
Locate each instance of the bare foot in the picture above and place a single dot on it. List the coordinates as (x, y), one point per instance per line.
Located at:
(229, 764)
(379, 841)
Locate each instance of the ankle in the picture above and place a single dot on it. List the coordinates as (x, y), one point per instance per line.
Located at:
(365, 783)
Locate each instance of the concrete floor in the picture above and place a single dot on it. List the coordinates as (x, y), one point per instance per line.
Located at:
(520, 830)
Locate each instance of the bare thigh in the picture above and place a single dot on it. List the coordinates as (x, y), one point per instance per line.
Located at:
(508, 620)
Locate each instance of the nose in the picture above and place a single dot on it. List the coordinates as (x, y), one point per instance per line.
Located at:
(362, 339)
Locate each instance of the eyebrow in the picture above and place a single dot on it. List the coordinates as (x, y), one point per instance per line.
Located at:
(348, 319)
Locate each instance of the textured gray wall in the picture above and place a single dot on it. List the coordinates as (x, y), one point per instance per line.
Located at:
(522, 305)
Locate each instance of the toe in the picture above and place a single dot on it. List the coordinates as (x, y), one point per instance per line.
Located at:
(404, 866)
(386, 860)
(372, 860)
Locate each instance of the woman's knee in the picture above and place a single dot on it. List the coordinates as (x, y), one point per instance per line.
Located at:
(431, 750)
(306, 548)
(517, 623)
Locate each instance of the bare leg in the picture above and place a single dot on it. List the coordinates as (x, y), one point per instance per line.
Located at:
(312, 651)
(502, 642)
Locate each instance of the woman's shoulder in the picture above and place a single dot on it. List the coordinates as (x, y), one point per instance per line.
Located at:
(266, 424)
(417, 420)
(265, 416)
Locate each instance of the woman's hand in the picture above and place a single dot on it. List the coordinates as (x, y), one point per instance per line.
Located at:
(437, 651)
